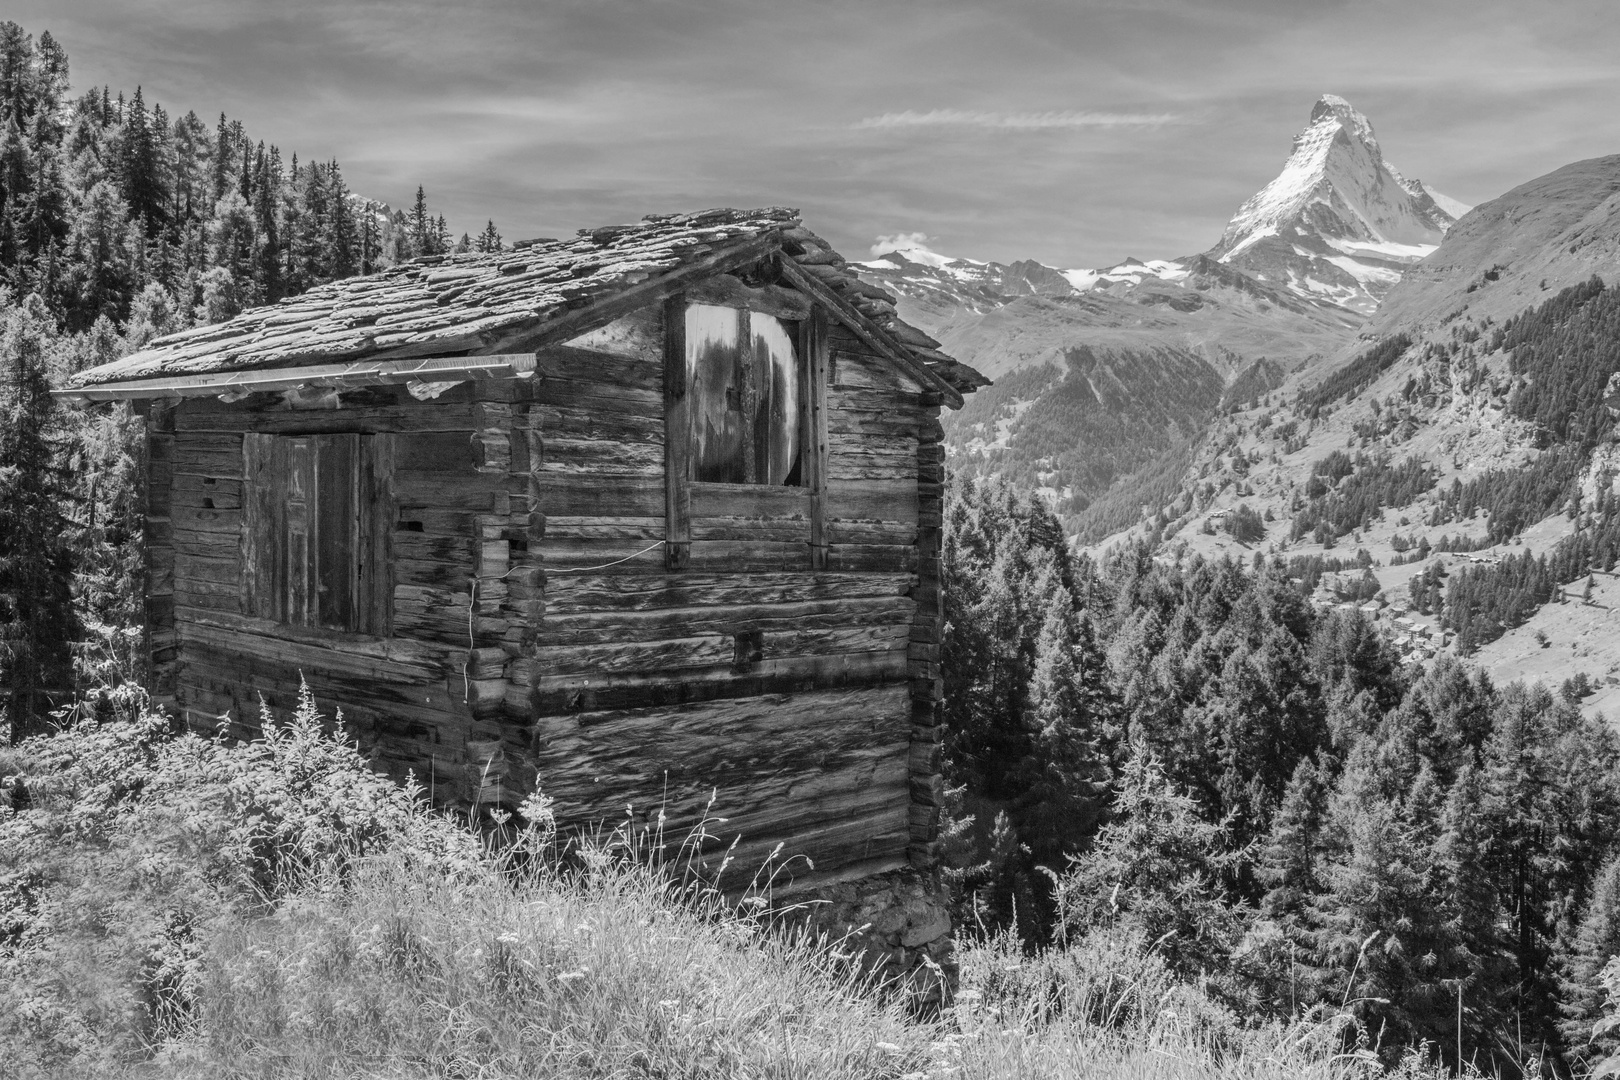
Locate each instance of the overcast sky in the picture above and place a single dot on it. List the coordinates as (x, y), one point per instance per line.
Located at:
(1075, 132)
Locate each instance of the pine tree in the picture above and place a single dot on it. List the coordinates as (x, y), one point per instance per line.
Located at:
(340, 256)
(1595, 944)
(141, 185)
(36, 607)
(370, 240)
(1157, 868)
(419, 227)
(1287, 865)
(1062, 777)
(489, 239)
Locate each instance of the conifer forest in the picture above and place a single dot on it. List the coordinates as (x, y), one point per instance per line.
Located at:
(1179, 753)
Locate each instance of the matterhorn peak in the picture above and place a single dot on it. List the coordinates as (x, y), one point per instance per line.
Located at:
(1339, 223)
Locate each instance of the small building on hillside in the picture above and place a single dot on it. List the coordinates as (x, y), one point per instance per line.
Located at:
(649, 518)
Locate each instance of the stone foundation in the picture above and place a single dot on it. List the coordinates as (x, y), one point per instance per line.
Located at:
(900, 923)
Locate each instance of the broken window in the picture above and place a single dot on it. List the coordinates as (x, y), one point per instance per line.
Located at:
(742, 377)
(316, 523)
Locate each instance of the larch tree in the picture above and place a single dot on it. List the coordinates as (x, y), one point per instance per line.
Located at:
(37, 624)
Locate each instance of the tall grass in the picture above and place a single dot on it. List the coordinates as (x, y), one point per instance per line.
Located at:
(177, 907)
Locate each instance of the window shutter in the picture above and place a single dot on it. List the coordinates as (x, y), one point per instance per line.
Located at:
(317, 530)
(262, 526)
(378, 514)
(333, 538)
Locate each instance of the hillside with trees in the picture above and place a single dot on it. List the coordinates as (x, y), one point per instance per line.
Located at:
(111, 208)
(1262, 786)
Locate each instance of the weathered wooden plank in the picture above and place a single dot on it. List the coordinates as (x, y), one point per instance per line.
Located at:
(398, 664)
(666, 622)
(594, 368)
(583, 496)
(207, 545)
(838, 641)
(668, 654)
(436, 660)
(433, 573)
(890, 533)
(724, 556)
(713, 645)
(214, 571)
(573, 594)
(601, 457)
(705, 743)
(560, 528)
(473, 492)
(561, 695)
(575, 423)
(872, 500)
(874, 839)
(437, 452)
(196, 519)
(567, 393)
(206, 596)
(749, 500)
(368, 410)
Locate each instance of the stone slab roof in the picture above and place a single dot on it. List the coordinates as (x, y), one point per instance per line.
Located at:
(479, 303)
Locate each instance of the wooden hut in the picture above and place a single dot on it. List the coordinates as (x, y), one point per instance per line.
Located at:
(648, 517)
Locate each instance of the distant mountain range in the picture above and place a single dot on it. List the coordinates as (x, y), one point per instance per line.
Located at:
(1158, 345)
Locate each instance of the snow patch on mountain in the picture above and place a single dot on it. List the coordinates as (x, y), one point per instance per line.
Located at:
(1339, 223)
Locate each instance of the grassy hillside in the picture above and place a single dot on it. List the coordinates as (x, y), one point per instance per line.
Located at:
(171, 906)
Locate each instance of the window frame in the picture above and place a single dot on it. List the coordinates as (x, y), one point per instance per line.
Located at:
(809, 336)
(294, 528)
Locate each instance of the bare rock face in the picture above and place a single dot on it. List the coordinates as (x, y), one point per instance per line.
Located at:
(1339, 224)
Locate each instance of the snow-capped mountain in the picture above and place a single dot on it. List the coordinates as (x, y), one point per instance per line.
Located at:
(1339, 223)
(990, 283)
(1338, 226)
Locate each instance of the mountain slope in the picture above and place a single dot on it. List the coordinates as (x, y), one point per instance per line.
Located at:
(1094, 384)
(1506, 255)
(1167, 343)
(1339, 223)
(1460, 452)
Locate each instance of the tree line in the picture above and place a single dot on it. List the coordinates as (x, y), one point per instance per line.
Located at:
(104, 197)
(119, 224)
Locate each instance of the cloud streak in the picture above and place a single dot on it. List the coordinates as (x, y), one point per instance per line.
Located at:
(1013, 121)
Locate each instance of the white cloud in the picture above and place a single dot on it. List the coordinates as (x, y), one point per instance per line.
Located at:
(899, 242)
(1022, 121)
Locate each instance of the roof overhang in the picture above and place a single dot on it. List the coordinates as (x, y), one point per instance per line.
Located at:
(423, 375)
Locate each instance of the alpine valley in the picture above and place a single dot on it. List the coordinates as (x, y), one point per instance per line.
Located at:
(1406, 401)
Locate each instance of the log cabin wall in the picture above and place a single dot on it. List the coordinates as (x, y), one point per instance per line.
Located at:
(804, 702)
(801, 701)
(404, 694)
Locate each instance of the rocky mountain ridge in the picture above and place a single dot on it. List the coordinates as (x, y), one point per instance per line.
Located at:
(1165, 344)
(1339, 223)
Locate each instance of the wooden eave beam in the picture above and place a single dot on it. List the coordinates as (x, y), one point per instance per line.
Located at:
(869, 332)
(275, 380)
